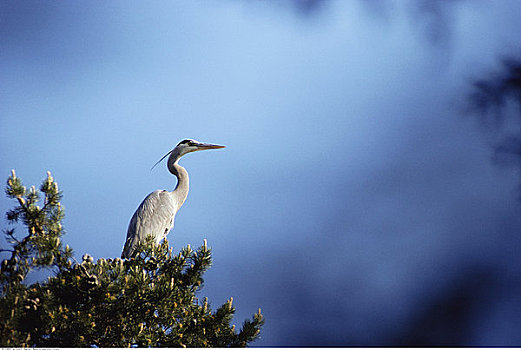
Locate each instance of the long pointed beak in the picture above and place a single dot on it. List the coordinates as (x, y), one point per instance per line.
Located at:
(202, 146)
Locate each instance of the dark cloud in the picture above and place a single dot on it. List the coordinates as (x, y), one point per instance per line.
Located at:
(448, 318)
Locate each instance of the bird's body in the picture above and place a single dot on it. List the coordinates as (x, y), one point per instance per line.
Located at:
(155, 215)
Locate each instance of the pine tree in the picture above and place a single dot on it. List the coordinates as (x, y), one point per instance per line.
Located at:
(149, 300)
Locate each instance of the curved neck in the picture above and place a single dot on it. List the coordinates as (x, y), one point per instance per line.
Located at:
(181, 190)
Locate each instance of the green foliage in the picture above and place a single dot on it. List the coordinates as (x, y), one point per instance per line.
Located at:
(149, 300)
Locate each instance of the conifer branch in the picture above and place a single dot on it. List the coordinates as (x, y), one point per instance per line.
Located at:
(149, 300)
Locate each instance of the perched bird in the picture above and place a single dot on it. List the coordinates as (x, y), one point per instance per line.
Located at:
(155, 215)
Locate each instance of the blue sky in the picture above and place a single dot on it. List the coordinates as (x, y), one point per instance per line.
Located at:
(353, 192)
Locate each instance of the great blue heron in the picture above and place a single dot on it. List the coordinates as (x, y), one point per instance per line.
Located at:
(155, 215)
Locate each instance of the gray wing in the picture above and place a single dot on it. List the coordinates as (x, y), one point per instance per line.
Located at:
(154, 217)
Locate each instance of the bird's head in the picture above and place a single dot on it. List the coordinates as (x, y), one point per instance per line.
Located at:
(187, 146)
